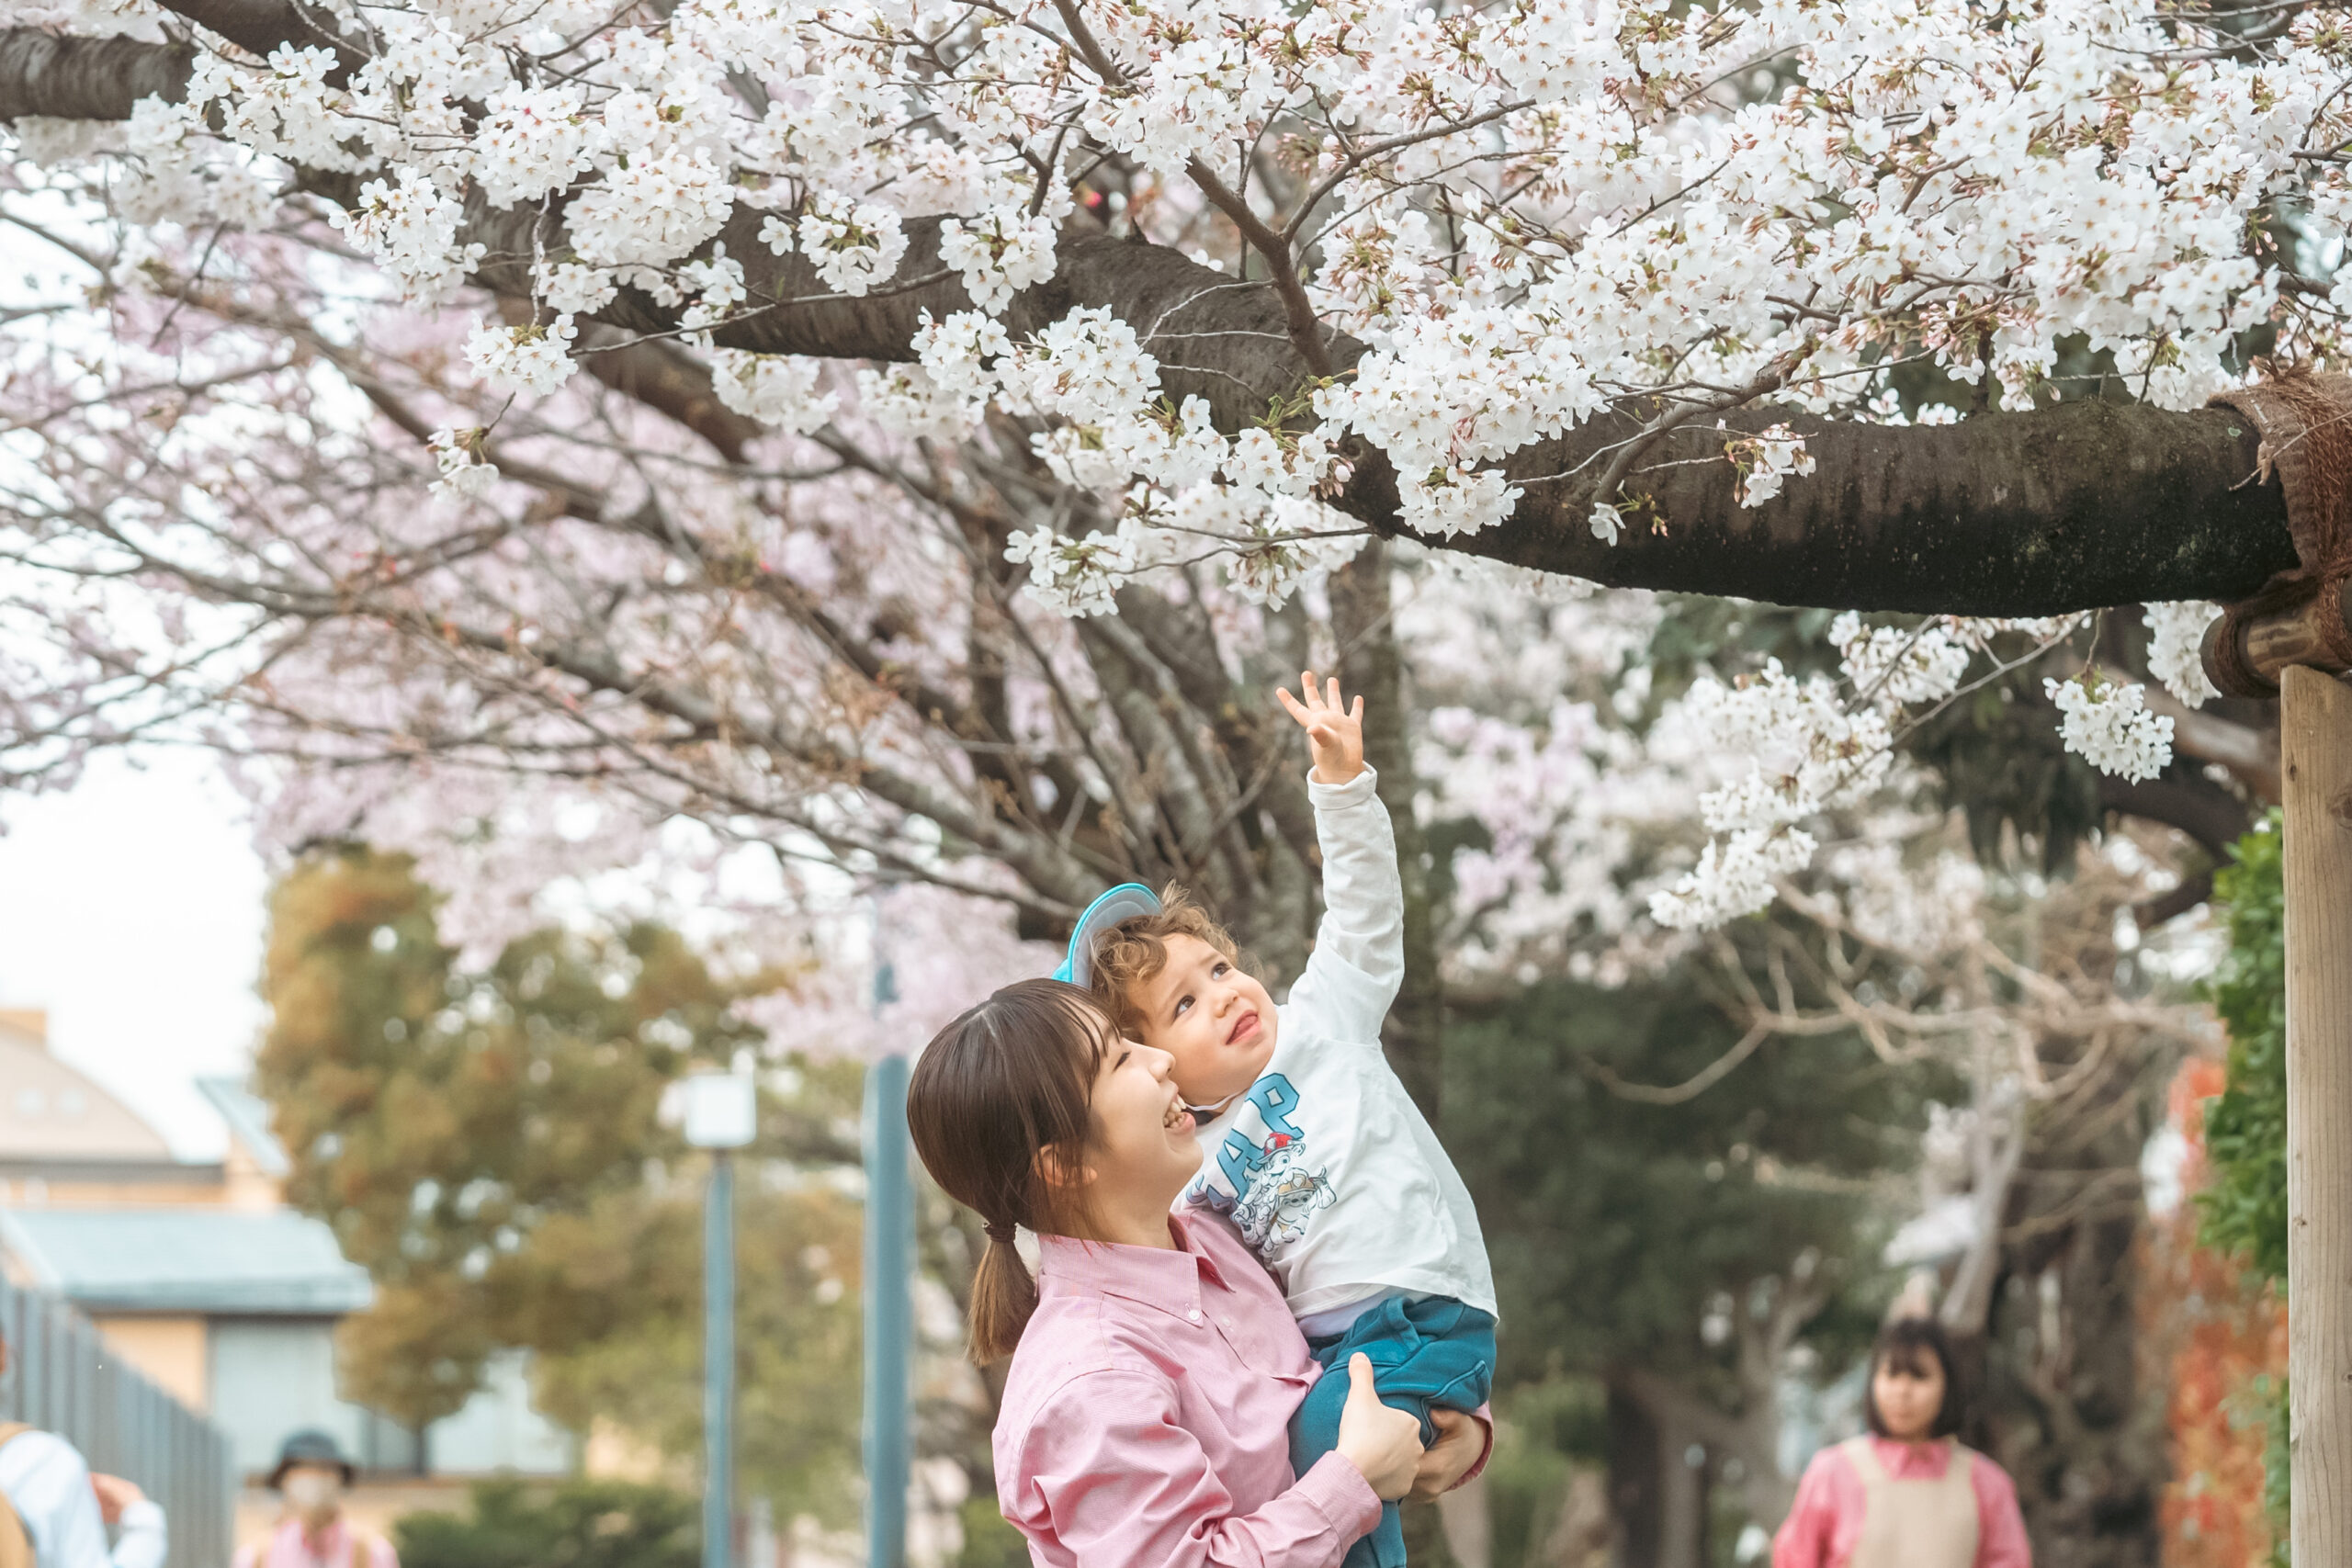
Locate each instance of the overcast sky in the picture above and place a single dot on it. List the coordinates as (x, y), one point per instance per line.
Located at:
(132, 909)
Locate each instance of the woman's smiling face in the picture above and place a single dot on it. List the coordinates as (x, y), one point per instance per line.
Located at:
(1142, 1150)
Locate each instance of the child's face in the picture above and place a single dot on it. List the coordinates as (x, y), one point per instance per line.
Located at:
(1214, 1020)
(1909, 1395)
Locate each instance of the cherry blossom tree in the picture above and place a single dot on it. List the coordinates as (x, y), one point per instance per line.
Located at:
(802, 448)
(1598, 289)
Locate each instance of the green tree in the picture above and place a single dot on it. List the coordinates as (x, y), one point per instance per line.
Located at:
(489, 1146)
(2244, 1207)
(586, 1524)
(1661, 1259)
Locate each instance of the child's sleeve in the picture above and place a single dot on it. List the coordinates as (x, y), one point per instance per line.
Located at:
(1359, 960)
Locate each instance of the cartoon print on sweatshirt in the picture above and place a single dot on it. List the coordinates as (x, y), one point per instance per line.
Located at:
(1258, 1172)
(1284, 1197)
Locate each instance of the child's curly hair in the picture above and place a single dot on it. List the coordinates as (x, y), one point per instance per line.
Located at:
(1137, 948)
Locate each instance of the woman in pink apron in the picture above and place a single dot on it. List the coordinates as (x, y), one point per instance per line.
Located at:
(1908, 1495)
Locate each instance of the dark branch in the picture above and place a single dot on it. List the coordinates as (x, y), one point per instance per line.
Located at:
(2073, 507)
(2171, 906)
(86, 78)
(258, 26)
(670, 381)
(2182, 797)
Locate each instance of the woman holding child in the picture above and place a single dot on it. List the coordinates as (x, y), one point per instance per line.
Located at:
(1165, 1403)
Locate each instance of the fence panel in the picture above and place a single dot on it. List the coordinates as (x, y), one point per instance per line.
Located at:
(63, 1380)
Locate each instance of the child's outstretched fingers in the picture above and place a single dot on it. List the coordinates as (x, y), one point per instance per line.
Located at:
(1334, 731)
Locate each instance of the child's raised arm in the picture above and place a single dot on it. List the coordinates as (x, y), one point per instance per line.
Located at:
(1359, 958)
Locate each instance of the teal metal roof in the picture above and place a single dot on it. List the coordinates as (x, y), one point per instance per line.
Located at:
(221, 1262)
(247, 1114)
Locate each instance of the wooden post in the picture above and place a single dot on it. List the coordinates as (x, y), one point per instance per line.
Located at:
(2316, 732)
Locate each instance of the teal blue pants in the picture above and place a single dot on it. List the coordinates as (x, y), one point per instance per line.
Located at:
(1430, 1353)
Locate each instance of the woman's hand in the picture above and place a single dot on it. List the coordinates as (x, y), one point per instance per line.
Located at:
(1384, 1444)
(1461, 1443)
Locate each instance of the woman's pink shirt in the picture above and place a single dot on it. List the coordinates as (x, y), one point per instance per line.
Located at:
(1825, 1523)
(1146, 1417)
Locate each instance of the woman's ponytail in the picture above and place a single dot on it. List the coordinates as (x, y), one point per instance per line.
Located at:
(1005, 1082)
(1003, 1295)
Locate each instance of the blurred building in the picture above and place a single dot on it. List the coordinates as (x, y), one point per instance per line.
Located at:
(200, 1276)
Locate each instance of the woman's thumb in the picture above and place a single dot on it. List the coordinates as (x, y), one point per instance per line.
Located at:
(1359, 1383)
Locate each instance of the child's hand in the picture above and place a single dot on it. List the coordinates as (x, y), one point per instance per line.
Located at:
(1334, 733)
(114, 1495)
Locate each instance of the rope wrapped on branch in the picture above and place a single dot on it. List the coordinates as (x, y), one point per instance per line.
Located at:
(2300, 617)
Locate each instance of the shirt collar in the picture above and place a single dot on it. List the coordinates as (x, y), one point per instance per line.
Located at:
(1166, 1278)
(1920, 1462)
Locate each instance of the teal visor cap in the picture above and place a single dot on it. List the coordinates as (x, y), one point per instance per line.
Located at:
(1123, 902)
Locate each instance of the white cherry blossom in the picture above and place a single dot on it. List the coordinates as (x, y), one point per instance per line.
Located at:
(2107, 723)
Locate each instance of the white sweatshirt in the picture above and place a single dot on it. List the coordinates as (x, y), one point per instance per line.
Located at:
(45, 1480)
(1325, 1165)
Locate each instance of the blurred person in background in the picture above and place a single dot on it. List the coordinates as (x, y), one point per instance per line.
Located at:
(58, 1511)
(1908, 1495)
(312, 1477)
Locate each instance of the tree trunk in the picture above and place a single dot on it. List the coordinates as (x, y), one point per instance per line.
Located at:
(2068, 1419)
(1635, 1487)
(1682, 1503)
(1659, 1497)
(2062, 1409)
(1425, 1542)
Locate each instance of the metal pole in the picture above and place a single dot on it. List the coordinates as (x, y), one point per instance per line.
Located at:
(2315, 721)
(718, 1364)
(889, 1309)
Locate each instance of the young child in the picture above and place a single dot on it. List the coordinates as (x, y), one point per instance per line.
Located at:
(1310, 1143)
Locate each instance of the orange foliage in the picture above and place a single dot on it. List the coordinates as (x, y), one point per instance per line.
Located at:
(2216, 1333)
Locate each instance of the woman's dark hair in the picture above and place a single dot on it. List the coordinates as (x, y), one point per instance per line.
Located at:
(1012, 1079)
(1907, 1345)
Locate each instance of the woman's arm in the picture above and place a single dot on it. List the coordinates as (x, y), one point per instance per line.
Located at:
(1103, 1474)
(2000, 1528)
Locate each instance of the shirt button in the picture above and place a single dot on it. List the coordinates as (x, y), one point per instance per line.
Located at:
(1195, 1315)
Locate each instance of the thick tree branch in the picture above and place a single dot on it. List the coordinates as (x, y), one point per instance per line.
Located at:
(2064, 508)
(2073, 507)
(2180, 798)
(259, 27)
(670, 381)
(86, 78)
(2249, 751)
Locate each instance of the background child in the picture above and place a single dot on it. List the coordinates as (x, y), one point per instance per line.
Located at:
(1311, 1144)
(1907, 1494)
